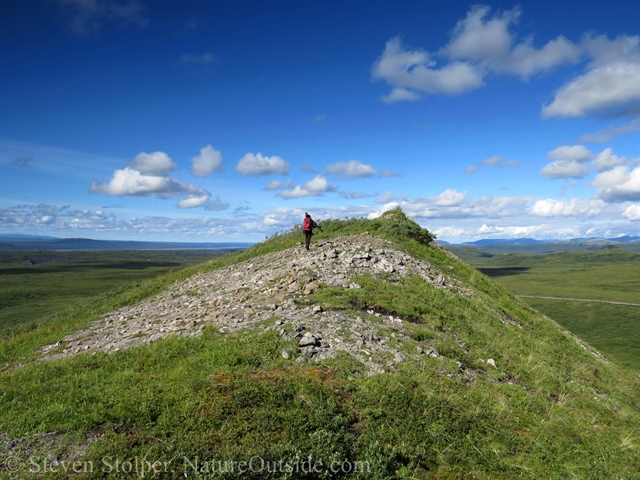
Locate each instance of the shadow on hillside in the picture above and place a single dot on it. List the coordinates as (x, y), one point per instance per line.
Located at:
(503, 271)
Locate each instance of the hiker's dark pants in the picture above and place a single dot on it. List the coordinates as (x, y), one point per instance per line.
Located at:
(307, 239)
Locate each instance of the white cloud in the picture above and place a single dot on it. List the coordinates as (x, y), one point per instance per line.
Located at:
(351, 169)
(606, 160)
(148, 174)
(209, 160)
(489, 43)
(579, 153)
(258, 165)
(552, 208)
(491, 160)
(618, 185)
(89, 15)
(316, 187)
(450, 197)
(525, 231)
(609, 133)
(204, 59)
(471, 169)
(449, 232)
(130, 182)
(612, 87)
(632, 213)
(399, 95)
(453, 204)
(610, 84)
(478, 45)
(192, 201)
(156, 163)
(411, 71)
(564, 169)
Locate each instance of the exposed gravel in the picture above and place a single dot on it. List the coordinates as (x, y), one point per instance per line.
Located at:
(262, 294)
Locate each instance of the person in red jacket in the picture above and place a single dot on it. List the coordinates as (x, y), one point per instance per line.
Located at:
(307, 228)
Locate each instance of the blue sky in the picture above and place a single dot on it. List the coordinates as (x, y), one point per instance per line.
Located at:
(218, 121)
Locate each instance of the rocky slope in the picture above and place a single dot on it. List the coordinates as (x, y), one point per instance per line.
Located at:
(262, 294)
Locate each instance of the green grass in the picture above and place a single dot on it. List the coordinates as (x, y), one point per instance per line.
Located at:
(612, 329)
(549, 410)
(611, 274)
(30, 292)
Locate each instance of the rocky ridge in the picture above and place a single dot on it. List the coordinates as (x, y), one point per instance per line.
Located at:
(264, 294)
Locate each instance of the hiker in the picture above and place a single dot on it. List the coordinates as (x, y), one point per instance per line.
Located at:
(307, 228)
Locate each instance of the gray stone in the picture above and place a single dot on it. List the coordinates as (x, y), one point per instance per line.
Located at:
(308, 340)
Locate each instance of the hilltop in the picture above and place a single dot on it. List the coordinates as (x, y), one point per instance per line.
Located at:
(378, 351)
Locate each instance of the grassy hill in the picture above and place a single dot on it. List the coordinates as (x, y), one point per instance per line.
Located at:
(485, 386)
(577, 289)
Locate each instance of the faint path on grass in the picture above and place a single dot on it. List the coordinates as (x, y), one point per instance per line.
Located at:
(580, 300)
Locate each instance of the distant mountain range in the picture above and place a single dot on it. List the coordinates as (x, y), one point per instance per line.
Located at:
(532, 241)
(35, 242)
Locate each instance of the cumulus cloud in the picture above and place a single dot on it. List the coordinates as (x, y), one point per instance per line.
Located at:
(489, 42)
(148, 175)
(156, 163)
(552, 208)
(351, 169)
(412, 71)
(316, 187)
(479, 44)
(632, 213)
(565, 169)
(209, 160)
(454, 204)
(525, 231)
(258, 165)
(579, 153)
(612, 87)
(609, 133)
(491, 160)
(618, 184)
(192, 201)
(130, 182)
(606, 160)
(88, 15)
(609, 86)
(450, 197)
(471, 169)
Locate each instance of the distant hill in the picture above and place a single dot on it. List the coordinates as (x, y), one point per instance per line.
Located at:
(531, 241)
(53, 243)
(17, 237)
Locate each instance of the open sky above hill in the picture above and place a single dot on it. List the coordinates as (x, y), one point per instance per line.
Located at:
(227, 120)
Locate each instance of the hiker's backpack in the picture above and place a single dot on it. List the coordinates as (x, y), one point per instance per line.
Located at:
(307, 226)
